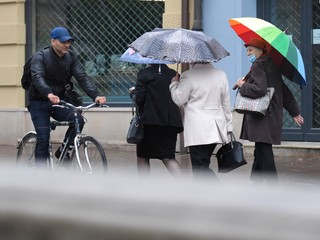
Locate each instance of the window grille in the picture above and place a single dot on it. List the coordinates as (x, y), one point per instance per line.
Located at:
(102, 30)
(286, 15)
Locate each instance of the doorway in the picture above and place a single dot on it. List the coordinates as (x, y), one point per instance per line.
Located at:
(295, 18)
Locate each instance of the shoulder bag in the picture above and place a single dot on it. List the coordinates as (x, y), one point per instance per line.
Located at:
(253, 106)
(136, 131)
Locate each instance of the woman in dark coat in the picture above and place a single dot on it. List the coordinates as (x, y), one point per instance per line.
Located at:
(161, 118)
(265, 130)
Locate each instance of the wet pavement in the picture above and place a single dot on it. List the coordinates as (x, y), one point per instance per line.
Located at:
(123, 206)
(299, 170)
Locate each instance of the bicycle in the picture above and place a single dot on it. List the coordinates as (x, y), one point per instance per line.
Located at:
(87, 155)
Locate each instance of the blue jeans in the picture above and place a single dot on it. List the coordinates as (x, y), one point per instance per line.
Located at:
(41, 111)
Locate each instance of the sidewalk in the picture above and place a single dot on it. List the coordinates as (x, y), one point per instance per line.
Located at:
(62, 205)
(299, 169)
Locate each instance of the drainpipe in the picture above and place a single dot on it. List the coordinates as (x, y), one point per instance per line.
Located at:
(197, 20)
(185, 23)
(185, 14)
(28, 46)
(197, 26)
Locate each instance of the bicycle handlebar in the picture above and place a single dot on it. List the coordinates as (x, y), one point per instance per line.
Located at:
(66, 104)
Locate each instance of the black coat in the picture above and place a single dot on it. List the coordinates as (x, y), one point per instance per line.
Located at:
(154, 98)
(268, 128)
(50, 74)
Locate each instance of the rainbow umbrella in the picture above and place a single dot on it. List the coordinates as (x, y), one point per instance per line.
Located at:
(283, 51)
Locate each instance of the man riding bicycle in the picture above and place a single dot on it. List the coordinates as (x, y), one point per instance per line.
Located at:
(51, 71)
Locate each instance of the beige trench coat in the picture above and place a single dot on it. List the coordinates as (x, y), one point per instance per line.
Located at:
(203, 93)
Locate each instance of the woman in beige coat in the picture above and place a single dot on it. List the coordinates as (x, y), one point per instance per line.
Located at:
(203, 93)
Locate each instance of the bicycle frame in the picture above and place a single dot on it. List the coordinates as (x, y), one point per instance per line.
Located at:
(78, 136)
(53, 125)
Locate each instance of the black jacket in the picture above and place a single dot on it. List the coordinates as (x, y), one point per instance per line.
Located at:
(154, 98)
(51, 72)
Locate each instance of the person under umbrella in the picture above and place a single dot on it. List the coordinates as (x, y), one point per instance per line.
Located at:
(161, 119)
(280, 47)
(265, 131)
(160, 116)
(200, 90)
(203, 92)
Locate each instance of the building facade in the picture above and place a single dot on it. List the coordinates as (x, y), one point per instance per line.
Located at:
(102, 30)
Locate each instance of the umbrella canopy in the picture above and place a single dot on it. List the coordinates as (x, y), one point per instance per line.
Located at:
(130, 55)
(281, 48)
(179, 46)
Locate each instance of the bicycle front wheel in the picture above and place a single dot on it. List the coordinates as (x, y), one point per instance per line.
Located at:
(91, 157)
(26, 150)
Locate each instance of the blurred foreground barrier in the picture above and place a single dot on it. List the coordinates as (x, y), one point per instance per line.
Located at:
(40, 205)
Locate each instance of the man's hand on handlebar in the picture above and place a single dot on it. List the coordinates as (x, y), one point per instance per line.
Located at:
(53, 98)
(100, 100)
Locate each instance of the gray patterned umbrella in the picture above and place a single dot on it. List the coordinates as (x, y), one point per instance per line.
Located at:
(179, 46)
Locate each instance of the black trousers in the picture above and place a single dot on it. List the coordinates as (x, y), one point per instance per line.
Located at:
(200, 160)
(264, 167)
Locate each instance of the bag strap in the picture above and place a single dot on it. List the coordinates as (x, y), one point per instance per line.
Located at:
(46, 58)
(232, 138)
(132, 107)
(245, 78)
(134, 104)
(67, 84)
(137, 109)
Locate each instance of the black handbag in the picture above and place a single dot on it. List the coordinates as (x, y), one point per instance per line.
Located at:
(136, 131)
(230, 156)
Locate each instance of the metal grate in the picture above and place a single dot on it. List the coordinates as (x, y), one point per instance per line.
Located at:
(316, 69)
(286, 15)
(102, 30)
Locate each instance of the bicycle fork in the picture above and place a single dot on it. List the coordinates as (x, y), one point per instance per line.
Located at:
(77, 143)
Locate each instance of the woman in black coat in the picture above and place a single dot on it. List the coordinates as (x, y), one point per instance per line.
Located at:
(160, 116)
(265, 130)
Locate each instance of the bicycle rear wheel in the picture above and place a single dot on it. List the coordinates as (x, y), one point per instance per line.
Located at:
(26, 150)
(92, 158)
